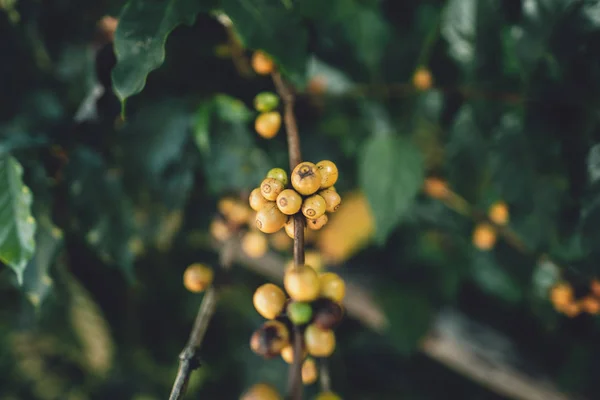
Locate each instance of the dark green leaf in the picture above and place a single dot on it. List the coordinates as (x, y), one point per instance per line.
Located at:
(391, 175)
(492, 278)
(140, 39)
(17, 225)
(410, 314)
(270, 26)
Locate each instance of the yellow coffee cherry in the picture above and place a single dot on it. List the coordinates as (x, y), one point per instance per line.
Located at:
(319, 342)
(280, 241)
(267, 124)
(327, 396)
(422, 78)
(269, 300)
(269, 219)
(310, 373)
(436, 188)
(314, 259)
(197, 277)
(484, 236)
(254, 244)
(318, 223)
(225, 205)
(332, 199)
(279, 174)
(270, 188)
(302, 283)
(219, 230)
(238, 213)
(289, 227)
(329, 173)
(288, 354)
(257, 200)
(306, 179)
(332, 286)
(262, 63)
(498, 213)
(314, 206)
(289, 202)
(261, 391)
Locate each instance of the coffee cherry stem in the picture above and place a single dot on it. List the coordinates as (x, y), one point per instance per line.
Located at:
(188, 358)
(286, 93)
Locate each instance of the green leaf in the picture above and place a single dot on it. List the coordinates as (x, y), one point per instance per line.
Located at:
(410, 315)
(17, 225)
(391, 174)
(140, 39)
(270, 26)
(492, 278)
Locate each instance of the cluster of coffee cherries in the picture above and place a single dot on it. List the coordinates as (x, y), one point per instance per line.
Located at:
(562, 296)
(312, 305)
(236, 217)
(485, 233)
(264, 391)
(268, 121)
(312, 193)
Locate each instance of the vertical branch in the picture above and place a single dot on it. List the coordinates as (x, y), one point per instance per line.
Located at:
(287, 95)
(188, 358)
(324, 377)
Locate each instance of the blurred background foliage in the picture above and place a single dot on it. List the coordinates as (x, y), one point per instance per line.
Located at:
(101, 214)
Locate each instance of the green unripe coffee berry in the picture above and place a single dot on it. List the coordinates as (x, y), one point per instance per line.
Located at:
(299, 313)
(266, 101)
(279, 174)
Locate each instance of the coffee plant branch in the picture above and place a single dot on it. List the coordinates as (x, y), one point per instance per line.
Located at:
(286, 92)
(189, 357)
(451, 340)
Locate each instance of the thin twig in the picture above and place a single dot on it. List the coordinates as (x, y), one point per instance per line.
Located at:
(287, 95)
(324, 377)
(293, 138)
(188, 358)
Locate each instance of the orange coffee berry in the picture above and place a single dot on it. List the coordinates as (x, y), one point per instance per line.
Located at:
(422, 79)
(590, 305)
(302, 283)
(332, 199)
(197, 277)
(269, 300)
(254, 244)
(269, 219)
(318, 223)
(270, 188)
(262, 63)
(288, 354)
(314, 206)
(289, 202)
(267, 124)
(306, 178)
(561, 295)
(309, 371)
(329, 173)
(332, 286)
(436, 188)
(319, 342)
(484, 236)
(257, 200)
(498, 213)
(219, 230)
